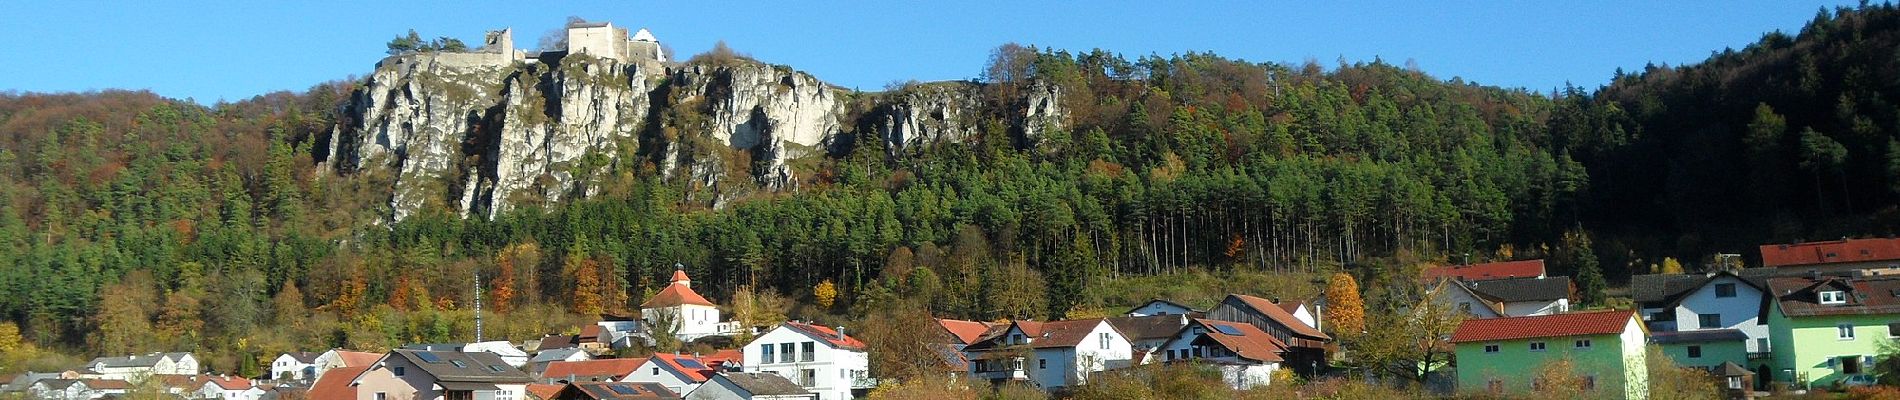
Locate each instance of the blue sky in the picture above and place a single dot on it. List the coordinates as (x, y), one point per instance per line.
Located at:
(234, 50)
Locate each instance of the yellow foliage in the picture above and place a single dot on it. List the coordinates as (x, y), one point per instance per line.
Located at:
(1345, 311)
(1671, 266)
(825, 293)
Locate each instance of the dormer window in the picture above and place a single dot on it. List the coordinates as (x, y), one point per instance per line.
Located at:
(1833, 297)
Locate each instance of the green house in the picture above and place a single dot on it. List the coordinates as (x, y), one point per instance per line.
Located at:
(1502, 355)
(1822, 329)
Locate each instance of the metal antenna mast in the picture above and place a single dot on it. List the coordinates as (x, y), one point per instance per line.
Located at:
(478, 307)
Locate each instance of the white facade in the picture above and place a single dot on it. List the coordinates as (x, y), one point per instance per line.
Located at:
(1300, 313)
(1158, 307)
(75, 391)
(289, 367)
(1460, 298)
(500, 348)
(1239, 373)
(1731, 303)
(655, 371)
(814, 363)
(720, 388)
(1529, 308)
(131, 367)
(1071, 366)
(211, 391)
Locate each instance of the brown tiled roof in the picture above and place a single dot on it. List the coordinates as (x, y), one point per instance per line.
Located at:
(964, 332)
(1829, 252)
(541, 391)
(1485, 271)
(619, 391)
(107, 384)
(1278, 315)
(827, 334)
(1291, 306)
(559, 342)
(764, 384)
(335, 383)
(225, 382)
(1251, 342)
(673, 295)
(1064, 333)
(1524, 289)
(455, 366)
(358, 358)
(723, 357)
(1798, 296)
(1558, 325)
(613, 368)
(1149, 327)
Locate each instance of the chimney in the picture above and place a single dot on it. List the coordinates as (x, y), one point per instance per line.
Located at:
(840, 332)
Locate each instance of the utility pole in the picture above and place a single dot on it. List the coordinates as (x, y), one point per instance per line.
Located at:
(478, 307)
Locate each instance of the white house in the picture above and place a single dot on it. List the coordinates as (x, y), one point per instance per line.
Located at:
(431, 375)
(750, 386)
(542, 359)
(817, 358)
(1245, 355)
(1703, 302)
(225, 388)
(295, 366)
(339, 358)
(1527, 296)
(693, 316)
(1160, 307)
(128, 367)
(77, 389)
(1455, 294)
(1300, 312)
(678, 373)
(1052, 354)
(500, 348)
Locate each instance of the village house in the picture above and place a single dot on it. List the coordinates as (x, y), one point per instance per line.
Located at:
(339, 358)
(1527, 296)
(539, 364)
(1160, 307)
(1245, 355)
(77, 389)
(676, 372)
(750, 386)
(1499, 356)
(1823, 328)
(691, 315)
(1307, 347)
(219, 387)
(545, 391)
(1828, 256)
(1485, 271)
(615, 391)
(431, 375)
(607, 370)
(1703, 320)
(1145, 334)
(129, 367)
(295, 366)
(817, 358)
(335, 384)
(1051, 355)
(1459, 295)
(956, 335)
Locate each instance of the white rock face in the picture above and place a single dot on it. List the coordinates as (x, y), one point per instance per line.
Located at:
(479, 134)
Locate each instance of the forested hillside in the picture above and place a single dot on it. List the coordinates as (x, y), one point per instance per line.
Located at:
(123, 213)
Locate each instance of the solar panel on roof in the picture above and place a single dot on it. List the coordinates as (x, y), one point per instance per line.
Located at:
(623, 389)
(458, 363)
(428, 357)
(1227, 330)
(691, 364)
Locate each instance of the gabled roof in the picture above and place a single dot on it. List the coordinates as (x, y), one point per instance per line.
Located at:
(335, 384)
(357, 358)
(963, 332)
(1668, 291)
(673, 362)
(1163, 301)
(763, 383)
(304, 356)
(556, 354)
(825, 334)
(225, 382)
(1054, 334)
(1291, 307)
(1486, 271)
(614, 368)
(1524, 289)
(1830, 252)
(107, 384)
(1149, 327)
(542, 391)
(1798, 296)
(134, 361)
(453, 366)
(1280, 316)
(1247, 341)
(1488, 302)
(621, 391)
(1540, 326)
(673, 295)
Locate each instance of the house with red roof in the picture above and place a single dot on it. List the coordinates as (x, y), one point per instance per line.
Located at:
(1499, 356)
(691, 316)
(680, 373)
(339, 358)
(1833, 255)
(221, 387)
(818, 358)
(1306, 345)
(1050, 355)
(605, 370)
(1486, 271)
(336, 385)
(1245, 355)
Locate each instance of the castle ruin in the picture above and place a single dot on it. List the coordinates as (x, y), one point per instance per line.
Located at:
(600, 40)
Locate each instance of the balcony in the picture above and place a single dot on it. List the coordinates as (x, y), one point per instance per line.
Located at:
(863, 382)
(1760, 355)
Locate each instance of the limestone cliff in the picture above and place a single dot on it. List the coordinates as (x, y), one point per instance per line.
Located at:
(479, 134)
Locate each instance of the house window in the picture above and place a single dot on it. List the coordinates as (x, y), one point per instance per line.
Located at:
(1724, 290)
(1015, 339)
(785, 353)
(1833, 297)
(807, 352)
(1893, 330)
(1695, 351)
(1583, 344)
(808, 377)
(1709, 320)
(1734, 382)
(1490, 348)
(1194, 331)
(397, 370)
(1850, 365)
(1197, 352)
(1103, 337)
(1844, 331)
(1042, 363)
(656, 371)
(1761, 345)
(1537, 346)
(382, 396)
(765, 352)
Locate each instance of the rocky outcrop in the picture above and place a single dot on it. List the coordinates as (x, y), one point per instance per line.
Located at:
(480, 134)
